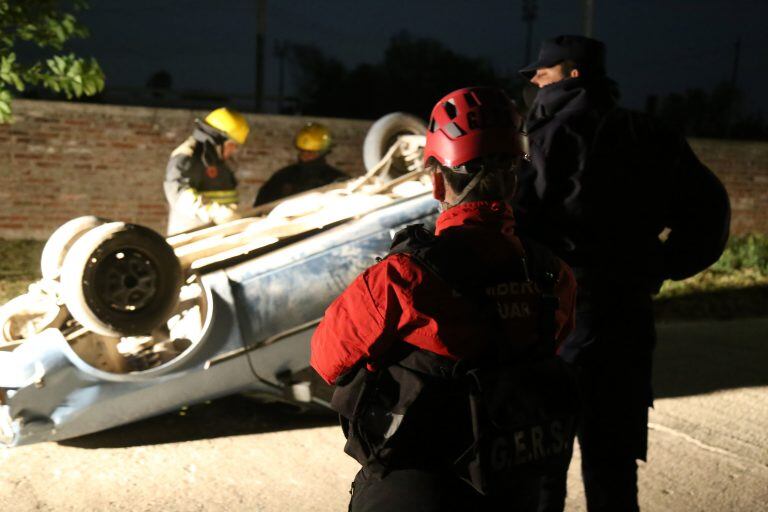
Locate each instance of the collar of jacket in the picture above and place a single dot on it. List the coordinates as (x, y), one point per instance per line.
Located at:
(571, 96)
(211, 140)
(209, 135)
(319, 161)
(492, 214)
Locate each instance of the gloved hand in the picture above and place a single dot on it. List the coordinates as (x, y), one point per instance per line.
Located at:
(190, 202)
(221, 213)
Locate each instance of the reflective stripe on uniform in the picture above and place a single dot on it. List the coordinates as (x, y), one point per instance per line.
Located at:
(220, 196)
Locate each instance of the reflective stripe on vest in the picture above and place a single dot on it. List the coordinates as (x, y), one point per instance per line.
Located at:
(220, 196)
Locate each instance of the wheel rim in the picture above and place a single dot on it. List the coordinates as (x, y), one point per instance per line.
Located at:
(127, 280)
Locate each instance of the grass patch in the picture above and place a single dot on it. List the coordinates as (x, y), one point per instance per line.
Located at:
(744, 253)
(734, 287)
(19, 266)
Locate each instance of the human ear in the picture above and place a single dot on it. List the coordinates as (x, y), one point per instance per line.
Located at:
(438, 185)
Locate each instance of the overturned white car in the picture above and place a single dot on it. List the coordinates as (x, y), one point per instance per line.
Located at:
(126, 324)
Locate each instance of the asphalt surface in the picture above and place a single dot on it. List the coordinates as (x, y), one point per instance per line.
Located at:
(708, 446)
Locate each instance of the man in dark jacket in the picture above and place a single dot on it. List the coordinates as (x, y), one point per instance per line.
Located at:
(628, 205)
(313, 142)
(200, 184)
(473, 291)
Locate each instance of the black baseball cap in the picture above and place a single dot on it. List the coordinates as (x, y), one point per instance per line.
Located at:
(585, 52)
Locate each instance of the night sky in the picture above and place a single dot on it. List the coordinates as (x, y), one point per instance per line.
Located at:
(654, 46)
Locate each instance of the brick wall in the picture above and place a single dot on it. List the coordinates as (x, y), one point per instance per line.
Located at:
(61, 160)
(743, 167)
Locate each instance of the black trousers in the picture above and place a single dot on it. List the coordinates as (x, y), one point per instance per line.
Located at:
(612, 435)
(612, 348)
(419, 490)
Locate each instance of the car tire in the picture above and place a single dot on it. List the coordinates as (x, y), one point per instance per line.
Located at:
(384, 132)
(61, 241)
(121, 280)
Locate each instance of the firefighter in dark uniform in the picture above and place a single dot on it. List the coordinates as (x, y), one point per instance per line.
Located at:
(313, 142)
(604, 184)
(471, 296)
(200, 184)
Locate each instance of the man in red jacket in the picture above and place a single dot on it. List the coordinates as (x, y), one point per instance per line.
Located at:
(473, 293)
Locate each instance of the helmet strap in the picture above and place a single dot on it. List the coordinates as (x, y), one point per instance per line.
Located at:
(470, 186)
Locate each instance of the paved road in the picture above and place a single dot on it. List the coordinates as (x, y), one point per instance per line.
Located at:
(708, 446)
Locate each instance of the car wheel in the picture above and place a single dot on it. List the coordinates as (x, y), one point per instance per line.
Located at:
(383, 133)
(121, 280)
(61, 241)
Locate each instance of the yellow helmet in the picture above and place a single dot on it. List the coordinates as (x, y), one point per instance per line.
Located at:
(232, 123)
(313, 137)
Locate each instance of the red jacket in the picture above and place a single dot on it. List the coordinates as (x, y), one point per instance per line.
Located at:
(398, 299)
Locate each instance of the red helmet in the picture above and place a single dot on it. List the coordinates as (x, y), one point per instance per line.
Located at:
(471, 123)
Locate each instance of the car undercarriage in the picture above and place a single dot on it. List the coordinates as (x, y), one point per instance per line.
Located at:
(127, 324)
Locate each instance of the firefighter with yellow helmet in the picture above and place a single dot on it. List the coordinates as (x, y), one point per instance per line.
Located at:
(313, 142)
(200, 182)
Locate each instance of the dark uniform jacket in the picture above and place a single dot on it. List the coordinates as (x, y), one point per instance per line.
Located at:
(296, 178)
(605, 182)
(196, 178)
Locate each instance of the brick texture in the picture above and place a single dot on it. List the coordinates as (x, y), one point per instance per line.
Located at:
(743, 168)
(62, 160)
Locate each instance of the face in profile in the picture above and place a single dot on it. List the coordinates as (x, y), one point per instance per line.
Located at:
(551, 75)
(229, 149)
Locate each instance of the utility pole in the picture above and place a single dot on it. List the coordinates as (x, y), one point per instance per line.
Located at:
(589, 14)
(261, 29)
(736, 55)
(281, 49)
(529, 16)
(731, 108)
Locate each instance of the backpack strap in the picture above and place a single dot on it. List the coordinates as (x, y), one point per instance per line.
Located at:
(417, 242)
(544, 269)
(429, 252)
(539, 265)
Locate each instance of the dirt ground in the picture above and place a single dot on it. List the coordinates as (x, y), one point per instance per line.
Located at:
(708, 446)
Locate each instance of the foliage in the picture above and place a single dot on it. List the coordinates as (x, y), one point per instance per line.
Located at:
(320, 78)
(715, 114)
(47, 24)
(746, 252)
(734, 287)
(426, 70)
(744, 263)
(412, 74)
(19, 266)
